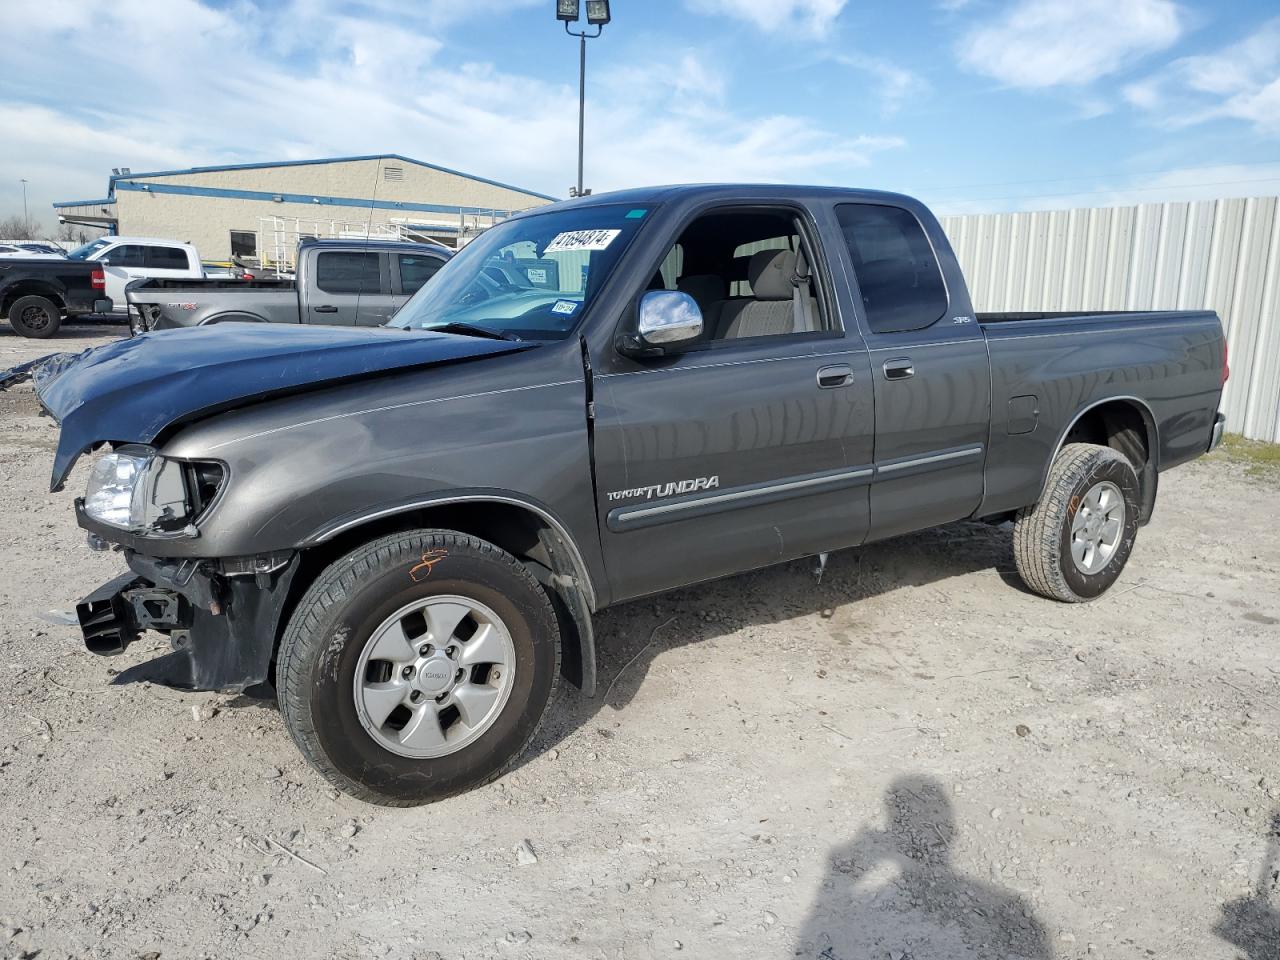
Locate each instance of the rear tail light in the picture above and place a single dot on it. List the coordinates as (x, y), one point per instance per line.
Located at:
(98, 279)
(1226, 367)
(248, 276)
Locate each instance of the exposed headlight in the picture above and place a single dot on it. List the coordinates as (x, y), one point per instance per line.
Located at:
(134, 488)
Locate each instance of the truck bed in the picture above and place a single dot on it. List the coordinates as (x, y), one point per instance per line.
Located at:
(219, 285)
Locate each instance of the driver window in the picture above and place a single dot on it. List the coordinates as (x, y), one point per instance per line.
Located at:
(745, 272)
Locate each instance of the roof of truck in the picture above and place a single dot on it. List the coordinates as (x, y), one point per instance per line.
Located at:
(374, 242)
(726, 191)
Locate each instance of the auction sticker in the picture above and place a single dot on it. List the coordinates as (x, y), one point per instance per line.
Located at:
(564, 307)
(582, 240)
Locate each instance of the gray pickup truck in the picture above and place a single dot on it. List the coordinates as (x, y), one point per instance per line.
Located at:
(406, 530)
(342, 282)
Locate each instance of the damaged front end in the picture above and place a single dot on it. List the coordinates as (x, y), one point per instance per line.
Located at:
(201, 570)
(221, 618)
(220, 615)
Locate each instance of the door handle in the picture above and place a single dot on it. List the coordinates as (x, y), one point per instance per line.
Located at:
(326, 309)
(899, 369)
(839, 375)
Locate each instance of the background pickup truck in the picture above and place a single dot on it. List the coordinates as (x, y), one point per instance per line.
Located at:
(339, 282)
(406, 530)
(35, 294)
(127, 259)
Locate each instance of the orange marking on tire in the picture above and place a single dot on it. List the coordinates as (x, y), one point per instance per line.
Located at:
(423, 570)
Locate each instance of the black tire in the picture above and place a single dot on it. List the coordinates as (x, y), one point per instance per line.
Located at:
(336, 617)
(1042, 534)
(36, 317)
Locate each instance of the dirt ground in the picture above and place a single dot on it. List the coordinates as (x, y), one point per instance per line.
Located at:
(913, 758)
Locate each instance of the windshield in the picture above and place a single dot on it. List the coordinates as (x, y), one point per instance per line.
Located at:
(87, 250)
(531, 277)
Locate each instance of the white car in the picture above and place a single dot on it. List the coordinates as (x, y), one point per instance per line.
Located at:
(126, 259)
(28, 251)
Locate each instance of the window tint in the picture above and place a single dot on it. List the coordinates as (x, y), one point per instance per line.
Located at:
(167, 258)
(415, 270)
(339, 272)
(127, 255)
(897, 273)
(244, 243)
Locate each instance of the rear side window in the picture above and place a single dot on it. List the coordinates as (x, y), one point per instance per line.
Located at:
(167, 258)
(897, 273)
(339, 272)
(415, 270)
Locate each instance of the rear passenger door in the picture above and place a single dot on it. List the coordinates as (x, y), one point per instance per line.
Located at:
(411, 271)
(929, 367)
(351, 288)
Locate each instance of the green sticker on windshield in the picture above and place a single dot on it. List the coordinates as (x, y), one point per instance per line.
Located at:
(636, 214)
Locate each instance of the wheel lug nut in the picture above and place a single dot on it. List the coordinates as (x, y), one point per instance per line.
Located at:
(425, 650)
(451, 652)
(415, 696)
(407, 672)
(440, 697)
(497, 674)
(457, 677)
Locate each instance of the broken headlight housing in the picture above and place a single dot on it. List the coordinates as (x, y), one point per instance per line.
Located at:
(134, 488)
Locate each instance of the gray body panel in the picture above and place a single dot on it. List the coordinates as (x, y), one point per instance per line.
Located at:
(729, 456)
(170, 304)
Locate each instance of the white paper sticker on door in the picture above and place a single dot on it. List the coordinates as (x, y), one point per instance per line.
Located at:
(582, 240)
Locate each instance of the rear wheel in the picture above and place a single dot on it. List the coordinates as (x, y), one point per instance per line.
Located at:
(1073, 544)
(418, 666)
(34, 316)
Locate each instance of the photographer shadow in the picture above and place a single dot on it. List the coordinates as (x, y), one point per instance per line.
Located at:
(1251, 923)
(897, 892)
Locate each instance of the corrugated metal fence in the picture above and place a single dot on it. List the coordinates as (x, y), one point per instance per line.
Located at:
(1222, 255)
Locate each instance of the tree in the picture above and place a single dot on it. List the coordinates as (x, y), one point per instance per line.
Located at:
(18, 228)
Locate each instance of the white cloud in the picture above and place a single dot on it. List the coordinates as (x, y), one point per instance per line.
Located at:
(1048, 43)
(1239, 82)
(813, 17)
(158, 86)
(894, 84)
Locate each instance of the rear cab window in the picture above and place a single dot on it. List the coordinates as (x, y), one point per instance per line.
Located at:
(898, 274)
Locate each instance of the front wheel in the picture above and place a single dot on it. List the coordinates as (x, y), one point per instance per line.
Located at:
(418, 666)
(1073, 544)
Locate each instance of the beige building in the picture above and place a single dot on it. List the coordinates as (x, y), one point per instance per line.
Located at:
(259, 211)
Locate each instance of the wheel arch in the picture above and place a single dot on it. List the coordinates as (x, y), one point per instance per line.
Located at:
(528, 531)
(232, 316)
(1125, 424)
(31, 288)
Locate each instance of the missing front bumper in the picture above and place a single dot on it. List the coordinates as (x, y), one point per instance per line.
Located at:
(222, 628)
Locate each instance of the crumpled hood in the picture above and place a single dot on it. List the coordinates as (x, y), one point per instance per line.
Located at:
(132, 390)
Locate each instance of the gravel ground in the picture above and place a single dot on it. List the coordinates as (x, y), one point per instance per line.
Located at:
(913, 758)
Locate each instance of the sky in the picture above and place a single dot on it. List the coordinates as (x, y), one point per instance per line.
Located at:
(973, 105)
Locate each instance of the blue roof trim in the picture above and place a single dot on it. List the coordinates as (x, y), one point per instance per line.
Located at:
(85, 203)
(314, 199)
(124, 177)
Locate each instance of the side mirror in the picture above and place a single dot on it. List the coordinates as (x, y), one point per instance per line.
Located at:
(667, 318)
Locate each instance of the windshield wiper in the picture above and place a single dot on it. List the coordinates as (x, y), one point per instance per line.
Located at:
(471, 330)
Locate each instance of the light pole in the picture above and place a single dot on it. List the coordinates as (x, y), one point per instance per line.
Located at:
(569, 11)
(25, 218)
